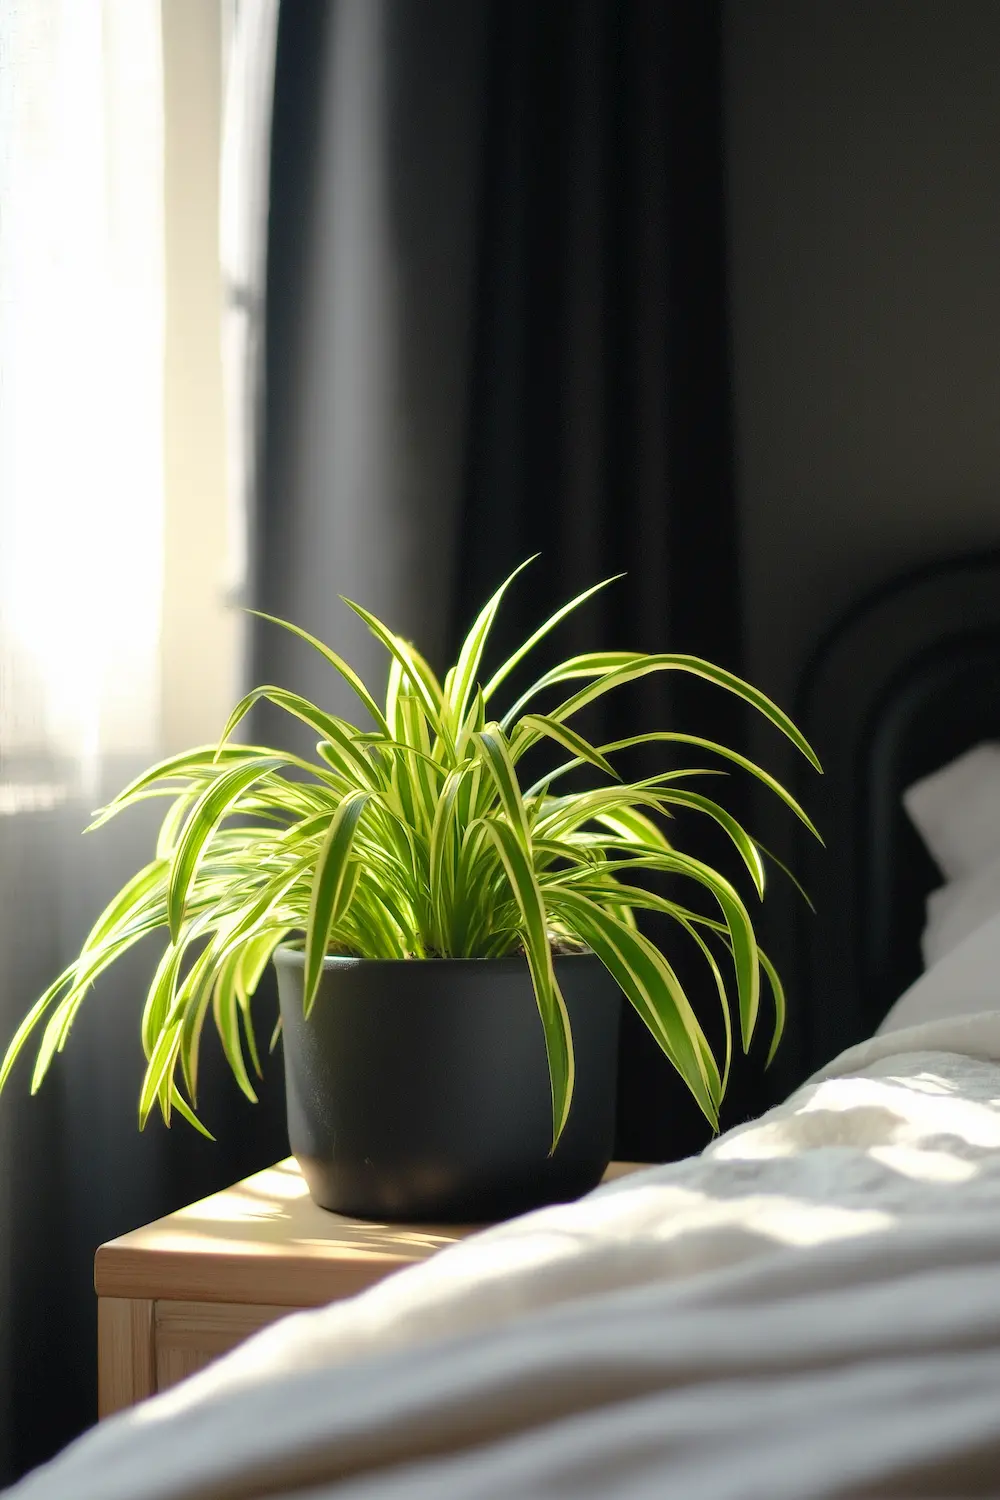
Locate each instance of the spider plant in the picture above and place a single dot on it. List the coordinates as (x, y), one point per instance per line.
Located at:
(415, 838)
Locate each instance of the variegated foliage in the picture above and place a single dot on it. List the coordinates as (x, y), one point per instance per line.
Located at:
(415, 838)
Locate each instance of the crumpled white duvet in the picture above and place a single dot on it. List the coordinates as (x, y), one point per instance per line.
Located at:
(810, 1308)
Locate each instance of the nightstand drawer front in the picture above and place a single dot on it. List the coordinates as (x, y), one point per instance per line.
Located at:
(190, 1335)
(180, 1292)
(126, 1352)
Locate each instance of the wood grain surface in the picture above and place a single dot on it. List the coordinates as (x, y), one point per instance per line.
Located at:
(265, 1241)
(126, 1365)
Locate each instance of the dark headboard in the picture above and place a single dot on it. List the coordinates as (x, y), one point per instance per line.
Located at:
(905, 682)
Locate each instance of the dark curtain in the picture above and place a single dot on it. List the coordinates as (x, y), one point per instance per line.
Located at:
(496, 326)
(599, 429)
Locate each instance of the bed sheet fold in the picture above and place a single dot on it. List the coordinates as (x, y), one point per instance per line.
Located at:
(811, 1308)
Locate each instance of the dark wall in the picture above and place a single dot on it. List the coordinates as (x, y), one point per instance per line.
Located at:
(863, 144)
(863, 199)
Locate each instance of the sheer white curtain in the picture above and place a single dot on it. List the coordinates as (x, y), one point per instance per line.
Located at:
(115, 553)
(81, 524)
(81, 338)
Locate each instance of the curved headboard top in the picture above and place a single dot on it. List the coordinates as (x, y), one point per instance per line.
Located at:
(907, 680)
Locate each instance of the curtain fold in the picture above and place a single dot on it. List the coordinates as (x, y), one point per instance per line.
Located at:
(249, 41)
(600, 433)
(496, 326)
(374, 193)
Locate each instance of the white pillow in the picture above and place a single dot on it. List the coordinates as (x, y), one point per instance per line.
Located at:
(955, 910)
(957, 811)
(964, 982)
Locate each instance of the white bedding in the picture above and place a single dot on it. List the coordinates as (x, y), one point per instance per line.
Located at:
(956, 811)
(811, 1308)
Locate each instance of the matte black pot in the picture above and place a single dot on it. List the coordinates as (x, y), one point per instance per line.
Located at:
(419, 1089)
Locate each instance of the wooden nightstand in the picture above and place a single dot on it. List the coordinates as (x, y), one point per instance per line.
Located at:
(179, 1292)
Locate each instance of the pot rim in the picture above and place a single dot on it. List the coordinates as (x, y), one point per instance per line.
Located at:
(296, 958)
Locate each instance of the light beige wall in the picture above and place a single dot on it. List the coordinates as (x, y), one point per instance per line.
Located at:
(200, 633)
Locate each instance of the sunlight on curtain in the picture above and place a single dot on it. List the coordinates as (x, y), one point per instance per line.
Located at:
(81, 527)
(81, 341)
(251, 33)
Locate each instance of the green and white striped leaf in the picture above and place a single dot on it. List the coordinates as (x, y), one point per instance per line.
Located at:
(466, 671)
(748, 850)
(189, 763)
(533, 725)
(33, 1019)
(159, 1070)
(516, 657)
(551, 1005)
(653, 989)
(425, 684)
(778, 996)
(675, 737)
(206, 815)
(337, 662)
(331, 888)
(444, 856)
(496, 754)
(641, 666)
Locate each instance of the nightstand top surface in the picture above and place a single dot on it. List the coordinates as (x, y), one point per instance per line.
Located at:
(264, 1240)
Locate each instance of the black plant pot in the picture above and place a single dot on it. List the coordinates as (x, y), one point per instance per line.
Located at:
(419, 1090)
